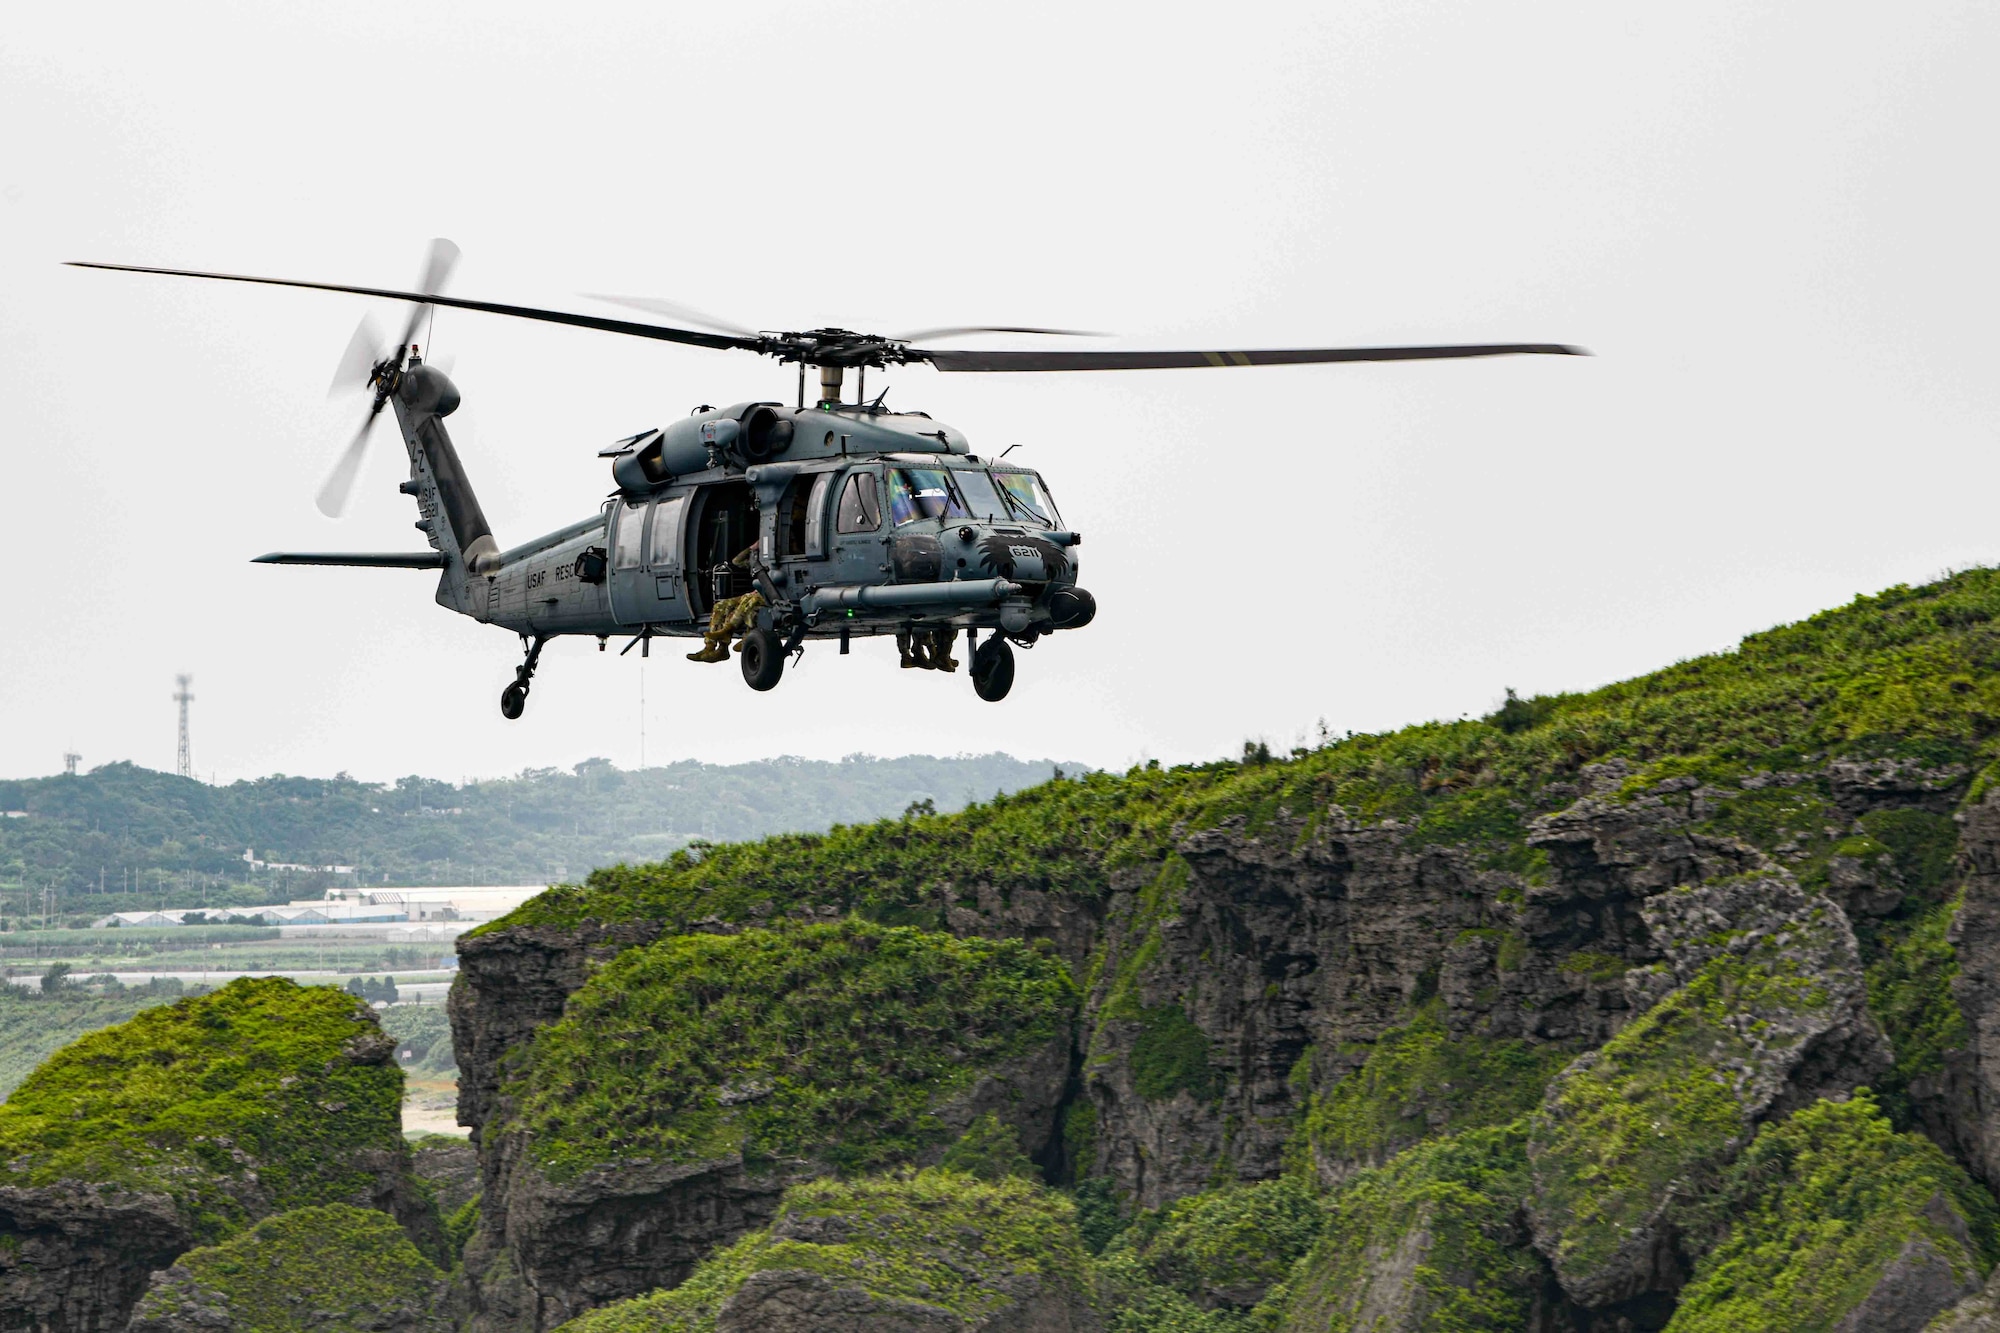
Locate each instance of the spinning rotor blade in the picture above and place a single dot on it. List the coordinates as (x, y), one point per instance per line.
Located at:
(332, 497)
(652, 305)
(960, 332)
(1282, 356)
(364, 349)
(659, 332)
(438, 265)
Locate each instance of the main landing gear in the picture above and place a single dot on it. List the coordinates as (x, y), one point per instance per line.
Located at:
(993, 669)
(514, 699)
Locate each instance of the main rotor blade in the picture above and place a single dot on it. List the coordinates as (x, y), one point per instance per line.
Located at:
(438, 265)
(636, 330)
(332, 497)
(364, 349)
(961, 331)
(686, 314)
(1282, 356)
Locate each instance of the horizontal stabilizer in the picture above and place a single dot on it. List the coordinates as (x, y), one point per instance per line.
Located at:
(364, 559)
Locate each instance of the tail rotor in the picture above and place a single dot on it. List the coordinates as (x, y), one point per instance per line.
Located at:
(371, 365)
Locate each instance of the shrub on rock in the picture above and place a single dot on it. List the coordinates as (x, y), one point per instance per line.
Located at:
(926, 1250)
(336, 1269)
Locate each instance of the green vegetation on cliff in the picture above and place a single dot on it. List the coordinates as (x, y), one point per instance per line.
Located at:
(1662, 1104)
(1418, 1079)
(1225, 1246)
(262, 1089)
(1910, 672)
(332, 1269)
(1430, 1241)
(933, 1238)
(1816, 1209)
(834, 1041)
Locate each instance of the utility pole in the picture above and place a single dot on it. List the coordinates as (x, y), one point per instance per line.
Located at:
(183, 698)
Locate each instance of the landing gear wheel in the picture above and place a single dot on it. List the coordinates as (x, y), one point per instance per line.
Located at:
(763, 659)
(514, 699)
(993, 669)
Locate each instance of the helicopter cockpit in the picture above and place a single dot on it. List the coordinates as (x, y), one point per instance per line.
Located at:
(945, 493)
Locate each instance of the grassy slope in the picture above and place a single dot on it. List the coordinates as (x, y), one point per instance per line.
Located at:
(166, 1101)
(831, 1041)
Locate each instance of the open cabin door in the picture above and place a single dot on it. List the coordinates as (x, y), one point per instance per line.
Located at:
(648, 585)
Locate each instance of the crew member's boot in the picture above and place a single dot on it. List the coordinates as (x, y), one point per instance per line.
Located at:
(712, 650)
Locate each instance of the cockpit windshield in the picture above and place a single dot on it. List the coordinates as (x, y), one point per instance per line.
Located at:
(982, 499)
(922, 492)
(1029, 497)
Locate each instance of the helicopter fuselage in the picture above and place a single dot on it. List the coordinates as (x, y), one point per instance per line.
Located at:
(852, 520)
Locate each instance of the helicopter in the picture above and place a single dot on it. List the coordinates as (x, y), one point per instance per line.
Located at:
(845, 518)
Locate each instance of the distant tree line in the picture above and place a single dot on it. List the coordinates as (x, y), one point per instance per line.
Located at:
(123, 838)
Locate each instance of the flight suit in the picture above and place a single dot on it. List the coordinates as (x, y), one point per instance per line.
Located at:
(731, 618)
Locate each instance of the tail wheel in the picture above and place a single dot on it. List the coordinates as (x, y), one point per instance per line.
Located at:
(513, 700)
(993, 669)
(763, 659)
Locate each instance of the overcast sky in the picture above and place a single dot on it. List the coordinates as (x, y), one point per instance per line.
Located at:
(1774, 224)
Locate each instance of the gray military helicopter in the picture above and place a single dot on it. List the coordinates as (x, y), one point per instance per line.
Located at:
(846, 518)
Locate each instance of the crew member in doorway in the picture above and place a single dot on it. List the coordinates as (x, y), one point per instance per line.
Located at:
(732, 617)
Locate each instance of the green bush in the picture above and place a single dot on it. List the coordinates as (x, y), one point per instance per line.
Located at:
(1228, 1245)
(332, 1269)
(989, 1150)
(832, 1041)
(262, 1076)
(934, 1238)
(1815, 1209)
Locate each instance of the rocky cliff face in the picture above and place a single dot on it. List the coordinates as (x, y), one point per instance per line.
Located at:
(1673, 921)
(182, 1126)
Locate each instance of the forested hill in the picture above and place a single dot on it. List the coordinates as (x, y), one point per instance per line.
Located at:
(120, 835)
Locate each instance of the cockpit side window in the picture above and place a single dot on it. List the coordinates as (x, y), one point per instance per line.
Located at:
(981, 499)
(1029, 497)
(922, 492)
(860, 510)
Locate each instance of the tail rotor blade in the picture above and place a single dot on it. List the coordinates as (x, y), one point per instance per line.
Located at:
(332, 497)
(364, 349)
(438, 265)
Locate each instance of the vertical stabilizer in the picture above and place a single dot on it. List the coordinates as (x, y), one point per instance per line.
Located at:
(450, 514)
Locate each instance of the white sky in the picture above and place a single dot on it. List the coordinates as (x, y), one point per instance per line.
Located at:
(1775, 225)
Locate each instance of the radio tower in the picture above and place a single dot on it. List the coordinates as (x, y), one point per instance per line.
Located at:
(183, 698)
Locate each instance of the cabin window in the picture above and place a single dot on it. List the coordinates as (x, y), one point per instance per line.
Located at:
(981, 499)
(816, 516)
(665, 550)
(922, 492)
(1029, 497)
(631, 528)
(860, 510)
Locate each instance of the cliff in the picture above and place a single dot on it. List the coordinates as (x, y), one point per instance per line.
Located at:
(181, 1127)
(1510, 1001)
